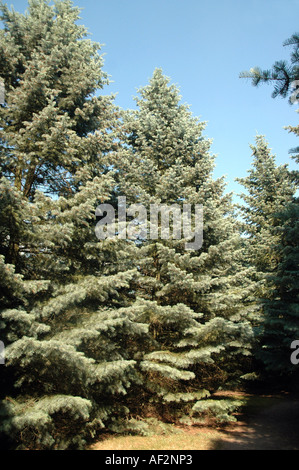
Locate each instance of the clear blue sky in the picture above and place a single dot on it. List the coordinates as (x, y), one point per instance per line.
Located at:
(202, 45)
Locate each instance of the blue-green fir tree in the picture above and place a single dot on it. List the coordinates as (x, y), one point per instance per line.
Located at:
(195, 299)
(64, 294)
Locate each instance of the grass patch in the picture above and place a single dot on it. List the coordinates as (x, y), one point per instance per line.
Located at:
(193, 439)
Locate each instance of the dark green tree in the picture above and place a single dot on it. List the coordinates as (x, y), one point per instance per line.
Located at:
(281, 308)
(284, 77)
(269, 198)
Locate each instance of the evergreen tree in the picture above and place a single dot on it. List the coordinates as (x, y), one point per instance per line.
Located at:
(65, 321)
(281, 305)
(281, 323)
(284, 77)
(269, 199)
(194, 301)
(269, 190)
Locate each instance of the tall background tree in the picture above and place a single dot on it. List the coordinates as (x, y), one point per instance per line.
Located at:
(281, 308)
(194, 301)
(270, 192)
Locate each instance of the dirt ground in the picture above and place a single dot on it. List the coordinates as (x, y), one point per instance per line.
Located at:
(275, 427)
(266, 422)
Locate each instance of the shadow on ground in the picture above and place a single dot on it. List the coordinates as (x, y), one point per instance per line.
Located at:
(273, 427)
